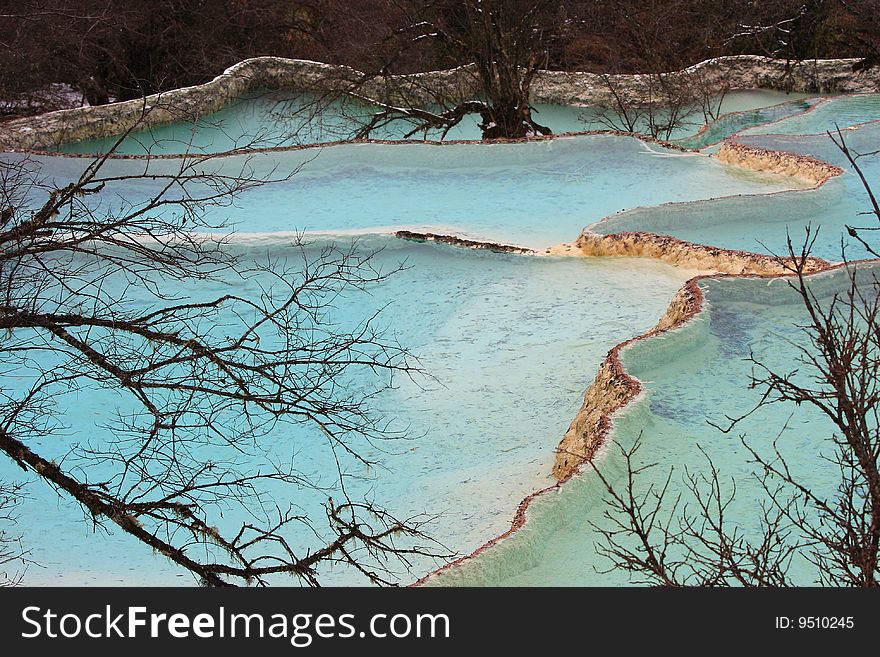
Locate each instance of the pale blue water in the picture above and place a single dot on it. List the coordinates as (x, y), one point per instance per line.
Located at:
(514, 341)
(283, 119)
(534, 194)
(699, 373)
(836, 112)
(693, 375)
(272, 119)
(511, 345)
(728, 124)
(760, 223)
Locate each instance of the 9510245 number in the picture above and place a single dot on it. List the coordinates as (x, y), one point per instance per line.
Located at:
(815, 622)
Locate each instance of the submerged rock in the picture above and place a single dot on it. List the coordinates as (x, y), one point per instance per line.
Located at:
(461, 242)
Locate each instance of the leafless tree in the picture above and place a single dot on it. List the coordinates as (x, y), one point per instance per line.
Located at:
(499, 45)
(856, 27)
(853, 157)
(118, 50)
(687, 538)
(708, 93)
(13, 556)
(664, 105)
(97, 278)
(799, 31)
(669, 95)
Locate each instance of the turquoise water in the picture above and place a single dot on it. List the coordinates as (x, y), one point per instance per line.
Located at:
(836, 112)
(282, 119)
(534, 194)
(731, 123)
(511, 341)
(760, 223)
(275, 119)
(510, 345)
(693, 375)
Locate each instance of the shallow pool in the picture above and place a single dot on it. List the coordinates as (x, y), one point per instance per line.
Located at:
(534, 194)
(278, 118)
(839, 112)
(692, 376)
(511, 341)
(760, 223)
(508, 344)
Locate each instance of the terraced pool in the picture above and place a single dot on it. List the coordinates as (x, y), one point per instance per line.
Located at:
(510, 346)
(832, 112)
(761, 223)
(510, 342)
(695, 375)
(542, 193)
(269, 119)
